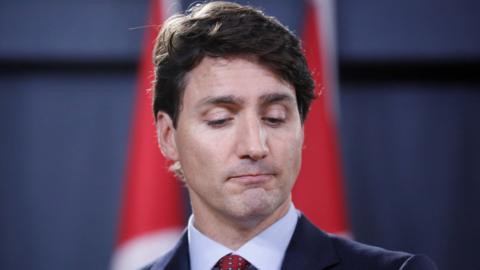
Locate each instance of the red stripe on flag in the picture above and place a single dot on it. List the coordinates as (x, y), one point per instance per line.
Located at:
(319, 190)
(152, 199)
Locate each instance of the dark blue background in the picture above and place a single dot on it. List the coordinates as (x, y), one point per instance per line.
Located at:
(409, 111)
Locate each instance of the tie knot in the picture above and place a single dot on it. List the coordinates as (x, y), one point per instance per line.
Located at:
(232, 262)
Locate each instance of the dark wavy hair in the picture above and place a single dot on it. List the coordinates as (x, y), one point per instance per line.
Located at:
(223, 29)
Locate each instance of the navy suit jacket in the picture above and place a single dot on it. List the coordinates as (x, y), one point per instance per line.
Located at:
(311, 249)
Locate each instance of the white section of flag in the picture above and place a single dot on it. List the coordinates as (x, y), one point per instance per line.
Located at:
(144, 249)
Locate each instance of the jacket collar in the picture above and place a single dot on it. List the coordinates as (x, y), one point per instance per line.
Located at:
(180, 259)
(309, 248)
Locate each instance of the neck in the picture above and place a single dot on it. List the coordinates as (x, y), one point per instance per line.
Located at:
(235, 232)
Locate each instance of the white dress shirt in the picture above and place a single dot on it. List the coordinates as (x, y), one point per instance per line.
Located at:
(265, 251)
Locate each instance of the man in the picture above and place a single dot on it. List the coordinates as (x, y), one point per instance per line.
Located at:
(232, 91)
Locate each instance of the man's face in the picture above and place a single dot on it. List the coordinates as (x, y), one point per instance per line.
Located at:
(238, 139)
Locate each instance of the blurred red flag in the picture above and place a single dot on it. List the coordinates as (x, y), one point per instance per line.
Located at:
(319, 191)
(151, 217)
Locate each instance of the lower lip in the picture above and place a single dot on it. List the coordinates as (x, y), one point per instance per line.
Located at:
(252, 179)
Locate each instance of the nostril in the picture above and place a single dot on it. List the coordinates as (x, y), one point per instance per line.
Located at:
(253, 157)
(257, 153)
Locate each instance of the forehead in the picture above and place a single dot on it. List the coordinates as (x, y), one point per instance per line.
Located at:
(241, 77)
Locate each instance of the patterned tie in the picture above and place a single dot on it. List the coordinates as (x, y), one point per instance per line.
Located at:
(232, 262)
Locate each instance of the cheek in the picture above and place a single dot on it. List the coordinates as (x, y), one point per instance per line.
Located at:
(288, 140)
(200, 154)
(296, 153)
(291, 152)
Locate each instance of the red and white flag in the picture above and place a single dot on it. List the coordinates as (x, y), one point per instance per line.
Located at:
(319, 189)
(151, 217)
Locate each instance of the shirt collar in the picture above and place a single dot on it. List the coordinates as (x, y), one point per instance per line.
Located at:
(264, 251)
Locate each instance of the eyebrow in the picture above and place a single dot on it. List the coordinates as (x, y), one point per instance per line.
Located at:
(221, 100)
(234, 100)
(275, 98)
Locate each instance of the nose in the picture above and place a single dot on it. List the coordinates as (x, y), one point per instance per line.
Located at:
(252, 140)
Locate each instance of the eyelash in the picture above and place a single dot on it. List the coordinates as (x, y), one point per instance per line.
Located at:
(218, 122)
(274, 122)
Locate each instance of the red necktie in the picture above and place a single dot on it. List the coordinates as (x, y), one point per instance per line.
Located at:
(232, 262)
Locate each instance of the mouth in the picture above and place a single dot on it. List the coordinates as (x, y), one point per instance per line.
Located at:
(252, 179)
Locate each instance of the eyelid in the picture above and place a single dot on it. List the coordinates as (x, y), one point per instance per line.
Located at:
(217, 117)
(218, 123)
(278, 111)
(216, 112)
(274, 122)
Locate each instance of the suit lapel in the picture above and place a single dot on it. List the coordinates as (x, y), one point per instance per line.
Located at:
(180, 259)
(309, 248)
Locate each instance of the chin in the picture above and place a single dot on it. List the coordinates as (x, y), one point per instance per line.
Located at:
(256, 204)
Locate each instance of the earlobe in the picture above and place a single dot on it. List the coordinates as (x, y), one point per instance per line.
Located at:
(166, 136)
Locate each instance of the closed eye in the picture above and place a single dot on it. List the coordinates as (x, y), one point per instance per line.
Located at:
(217, 123)
(272, 121)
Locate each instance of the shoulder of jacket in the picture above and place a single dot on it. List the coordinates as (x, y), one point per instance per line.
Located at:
(372, 257)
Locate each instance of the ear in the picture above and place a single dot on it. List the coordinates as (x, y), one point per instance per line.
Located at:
(166, 136)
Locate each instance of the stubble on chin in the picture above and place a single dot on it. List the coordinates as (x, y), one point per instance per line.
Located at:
(254, 205)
